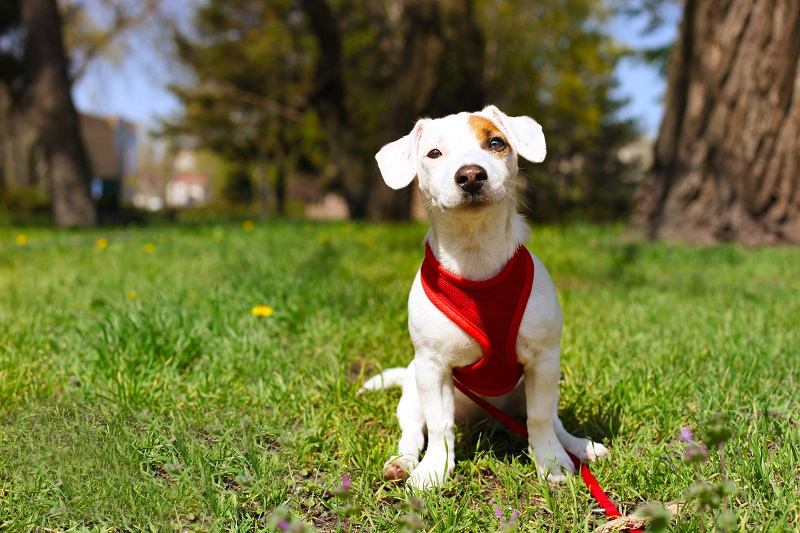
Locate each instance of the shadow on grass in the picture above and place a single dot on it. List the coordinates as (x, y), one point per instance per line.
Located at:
(491, 436)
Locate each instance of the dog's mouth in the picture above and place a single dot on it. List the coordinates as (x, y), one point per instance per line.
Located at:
(469, 202)
(477, 199)
(474, 200)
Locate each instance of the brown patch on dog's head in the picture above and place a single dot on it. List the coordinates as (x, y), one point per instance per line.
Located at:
(486, 130)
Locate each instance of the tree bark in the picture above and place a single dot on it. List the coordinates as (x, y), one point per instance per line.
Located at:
(55, 115)
(727, 158)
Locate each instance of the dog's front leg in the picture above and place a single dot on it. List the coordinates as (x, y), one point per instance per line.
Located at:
(541, 398)
(437, 397)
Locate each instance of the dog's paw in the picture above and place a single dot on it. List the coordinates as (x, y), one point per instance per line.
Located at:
(592, 451)
(553, 462)
(399, 467)
(430, 474)
(586, 450)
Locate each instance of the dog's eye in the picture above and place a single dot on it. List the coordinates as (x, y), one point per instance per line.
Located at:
(496, 144)
(433, 154)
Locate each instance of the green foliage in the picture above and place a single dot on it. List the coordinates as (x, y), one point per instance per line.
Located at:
(554, 61)
(139, 392)
(657, 517)
(239, 186)
(247, 100)
(253, 92)
(715, 498)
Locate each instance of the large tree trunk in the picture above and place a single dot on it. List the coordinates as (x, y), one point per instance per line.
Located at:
(727, 159)
(55, 115)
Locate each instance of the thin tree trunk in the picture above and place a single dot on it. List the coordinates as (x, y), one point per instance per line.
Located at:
(55, 115)
(727, 161)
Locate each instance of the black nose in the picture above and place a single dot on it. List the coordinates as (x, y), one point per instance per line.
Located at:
(470, 178)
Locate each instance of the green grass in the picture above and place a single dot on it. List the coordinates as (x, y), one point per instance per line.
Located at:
(138, 392)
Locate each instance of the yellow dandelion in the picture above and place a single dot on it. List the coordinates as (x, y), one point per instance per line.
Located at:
(262, 310)
(248, 225)
(132, 296)
(102, 243)
(149, 248)
(21, 239)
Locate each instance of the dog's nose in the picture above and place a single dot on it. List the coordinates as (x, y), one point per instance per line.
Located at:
(470, 178)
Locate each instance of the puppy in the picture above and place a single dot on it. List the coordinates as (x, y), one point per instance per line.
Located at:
(496, 336)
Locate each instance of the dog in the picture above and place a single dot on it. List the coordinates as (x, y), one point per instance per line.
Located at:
(466, 166)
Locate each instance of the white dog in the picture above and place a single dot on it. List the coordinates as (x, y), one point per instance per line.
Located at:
(466, 165)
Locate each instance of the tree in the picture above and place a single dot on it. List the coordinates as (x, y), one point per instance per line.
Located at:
(89, 30)
(361, 73)
(555, 62)
(371, 95)
(726, 159)
(55, 116)
(247, 100)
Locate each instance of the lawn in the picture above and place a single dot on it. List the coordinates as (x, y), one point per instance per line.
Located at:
(138, 391)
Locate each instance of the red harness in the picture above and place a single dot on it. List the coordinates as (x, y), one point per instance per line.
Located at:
(489, 311)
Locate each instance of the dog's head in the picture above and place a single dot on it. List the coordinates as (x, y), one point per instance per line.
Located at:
(462, 160)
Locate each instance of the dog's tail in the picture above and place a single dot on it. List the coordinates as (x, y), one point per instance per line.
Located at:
(392, 377)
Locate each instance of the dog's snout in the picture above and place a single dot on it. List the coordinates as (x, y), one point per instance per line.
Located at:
(470, 178)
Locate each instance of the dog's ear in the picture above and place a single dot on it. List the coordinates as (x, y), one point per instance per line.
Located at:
(525, 134)
(398, 160)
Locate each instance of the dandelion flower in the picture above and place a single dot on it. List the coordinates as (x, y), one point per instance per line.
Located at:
(248, 225)
(149, 248)
(132, 296)
(102, 243)
(21, 239)
(262, 310)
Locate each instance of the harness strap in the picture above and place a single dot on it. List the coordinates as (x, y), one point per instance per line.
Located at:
(520, 429)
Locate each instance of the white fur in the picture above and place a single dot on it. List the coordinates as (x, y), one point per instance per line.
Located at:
(473, 236)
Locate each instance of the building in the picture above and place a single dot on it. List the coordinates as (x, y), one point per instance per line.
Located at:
(188, 189)
(111, 146)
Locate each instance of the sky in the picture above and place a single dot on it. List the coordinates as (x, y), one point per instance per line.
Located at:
(136, 89)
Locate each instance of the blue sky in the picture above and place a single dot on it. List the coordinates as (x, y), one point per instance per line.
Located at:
(136, 89)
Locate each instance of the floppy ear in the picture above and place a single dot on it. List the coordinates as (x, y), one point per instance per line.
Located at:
(398, 160)
(525, 134)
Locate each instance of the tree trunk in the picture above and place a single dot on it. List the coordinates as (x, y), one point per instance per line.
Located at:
(430, 82)
(55, 115)
(329, 100)
(727, 158)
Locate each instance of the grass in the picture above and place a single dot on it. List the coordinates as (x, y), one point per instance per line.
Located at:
(139, 392)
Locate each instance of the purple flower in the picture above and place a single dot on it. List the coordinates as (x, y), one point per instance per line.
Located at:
(498, 512)
(283, 525)
(686, 435)
(695, 454)
(514, 515)
(343, 490)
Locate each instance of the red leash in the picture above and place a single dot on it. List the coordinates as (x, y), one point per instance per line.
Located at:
(519, 428)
